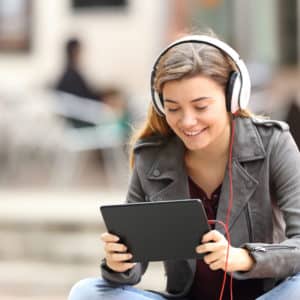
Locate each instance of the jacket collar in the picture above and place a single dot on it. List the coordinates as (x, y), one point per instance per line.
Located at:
(169, 162)
(247, 145)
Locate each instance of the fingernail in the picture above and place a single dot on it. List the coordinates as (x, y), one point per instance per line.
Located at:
(198, 249)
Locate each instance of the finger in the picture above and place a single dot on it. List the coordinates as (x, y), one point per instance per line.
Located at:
(115, 247)
(108, 237)
(216, 265)
(126, 266)
(119, 257)
(129, 265)
(212, 257)
(212, 247)
(212, 235)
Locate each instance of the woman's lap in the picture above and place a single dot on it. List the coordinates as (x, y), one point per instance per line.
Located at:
(98, 289)
(288, 289)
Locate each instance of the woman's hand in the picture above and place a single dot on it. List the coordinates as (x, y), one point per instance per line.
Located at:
(116, 253)
(216, 245)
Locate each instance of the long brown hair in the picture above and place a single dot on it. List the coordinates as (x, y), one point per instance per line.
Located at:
(184, 61)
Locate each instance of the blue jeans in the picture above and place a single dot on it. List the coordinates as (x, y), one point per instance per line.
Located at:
(288, 289)
(98, 289)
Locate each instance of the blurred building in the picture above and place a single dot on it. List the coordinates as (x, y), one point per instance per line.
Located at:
(265, 33)
(125, 38)
(117, 40)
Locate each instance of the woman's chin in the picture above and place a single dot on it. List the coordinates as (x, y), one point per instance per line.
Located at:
(195, 146)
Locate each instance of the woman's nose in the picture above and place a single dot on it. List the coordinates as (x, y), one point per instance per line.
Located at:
(188, 120)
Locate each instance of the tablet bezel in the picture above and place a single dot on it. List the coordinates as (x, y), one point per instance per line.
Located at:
(177, 222)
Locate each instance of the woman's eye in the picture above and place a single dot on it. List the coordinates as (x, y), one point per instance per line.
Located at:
(172, 109)
(201, 108)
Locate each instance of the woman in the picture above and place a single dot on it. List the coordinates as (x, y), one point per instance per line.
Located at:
(199, 142)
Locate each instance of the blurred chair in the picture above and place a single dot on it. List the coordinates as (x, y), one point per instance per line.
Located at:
(30, 138)
(39, 147)
(104, 131)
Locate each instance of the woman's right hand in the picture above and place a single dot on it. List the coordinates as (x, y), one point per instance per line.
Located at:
(116, 253)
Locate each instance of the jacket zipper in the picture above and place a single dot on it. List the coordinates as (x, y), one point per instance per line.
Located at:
(272, 247)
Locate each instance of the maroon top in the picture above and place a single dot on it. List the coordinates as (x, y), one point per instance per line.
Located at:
(207, 283)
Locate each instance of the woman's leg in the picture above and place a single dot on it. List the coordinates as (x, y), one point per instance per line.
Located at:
(98, 289)
(288, 289)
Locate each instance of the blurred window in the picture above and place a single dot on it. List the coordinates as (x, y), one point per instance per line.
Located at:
(95, 3)
(217, 15)
(15, 21)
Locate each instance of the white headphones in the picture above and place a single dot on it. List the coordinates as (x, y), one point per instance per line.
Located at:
(238, 85)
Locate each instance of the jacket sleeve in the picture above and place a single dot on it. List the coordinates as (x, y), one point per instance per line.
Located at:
(132, 276)
(281, 259)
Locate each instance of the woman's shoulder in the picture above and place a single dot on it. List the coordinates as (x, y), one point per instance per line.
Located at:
(269, 123)
(261, 130)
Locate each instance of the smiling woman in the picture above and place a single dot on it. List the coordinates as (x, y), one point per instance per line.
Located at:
(199, 141)
(196, 112)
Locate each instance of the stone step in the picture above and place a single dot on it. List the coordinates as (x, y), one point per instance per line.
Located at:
(36, 279)
(51, 239)
(56, 226)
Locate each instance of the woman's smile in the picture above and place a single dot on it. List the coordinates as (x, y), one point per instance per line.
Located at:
(193, 133)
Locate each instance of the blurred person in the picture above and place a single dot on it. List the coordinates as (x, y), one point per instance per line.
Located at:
(115, 99)
(200, 141)
(71, 80)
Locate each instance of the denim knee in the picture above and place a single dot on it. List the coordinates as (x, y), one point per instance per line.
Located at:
(288, 289)
(89, 289)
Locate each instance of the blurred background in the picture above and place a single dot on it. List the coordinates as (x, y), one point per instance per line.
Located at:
(74, 82)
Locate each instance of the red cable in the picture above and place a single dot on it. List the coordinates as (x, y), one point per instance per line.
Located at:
(230, 198)
(226, 262)
(226, 225)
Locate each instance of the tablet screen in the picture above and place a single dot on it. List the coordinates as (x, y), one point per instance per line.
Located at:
(155, 231)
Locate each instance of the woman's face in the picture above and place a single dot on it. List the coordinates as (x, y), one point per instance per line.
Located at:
(196, 111)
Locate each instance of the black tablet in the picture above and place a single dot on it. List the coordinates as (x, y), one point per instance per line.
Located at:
(155, 231)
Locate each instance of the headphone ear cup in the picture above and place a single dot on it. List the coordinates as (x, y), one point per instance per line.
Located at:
(233, 90)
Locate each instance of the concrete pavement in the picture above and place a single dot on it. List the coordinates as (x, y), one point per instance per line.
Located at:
(50, 239)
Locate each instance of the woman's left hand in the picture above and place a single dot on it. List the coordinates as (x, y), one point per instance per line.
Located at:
(216, 246)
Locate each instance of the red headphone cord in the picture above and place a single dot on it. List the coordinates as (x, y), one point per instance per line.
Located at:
(226, 225)
(226, 262)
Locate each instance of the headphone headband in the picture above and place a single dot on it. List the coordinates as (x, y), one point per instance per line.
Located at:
(244, 92)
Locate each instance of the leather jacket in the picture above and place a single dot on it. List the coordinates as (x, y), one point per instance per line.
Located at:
(265, 217)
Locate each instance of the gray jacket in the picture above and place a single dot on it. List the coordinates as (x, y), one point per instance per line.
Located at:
(265, 216)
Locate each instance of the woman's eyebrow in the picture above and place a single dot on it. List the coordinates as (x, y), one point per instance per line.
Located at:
(193, 100)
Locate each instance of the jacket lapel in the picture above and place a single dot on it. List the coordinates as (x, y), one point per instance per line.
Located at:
(169, 168)
(247, 149)
(244, 185)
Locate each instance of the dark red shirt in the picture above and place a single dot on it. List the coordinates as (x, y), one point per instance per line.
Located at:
(207, 283)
